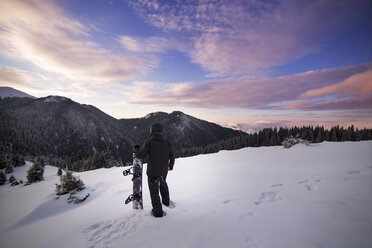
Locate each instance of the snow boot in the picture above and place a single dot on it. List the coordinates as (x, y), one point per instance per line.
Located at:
(158, 215)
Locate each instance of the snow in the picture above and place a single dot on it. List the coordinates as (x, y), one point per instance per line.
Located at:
(10, 92)
(305, 196)
(153, 114)
(55, 99)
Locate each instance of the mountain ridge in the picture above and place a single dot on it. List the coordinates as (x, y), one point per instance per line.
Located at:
(58, 128)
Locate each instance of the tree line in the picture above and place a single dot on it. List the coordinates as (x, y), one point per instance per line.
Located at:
(275, 137)
(265, 137)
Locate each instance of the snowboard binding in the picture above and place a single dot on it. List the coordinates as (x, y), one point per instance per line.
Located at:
(130, 171)
(133, 197)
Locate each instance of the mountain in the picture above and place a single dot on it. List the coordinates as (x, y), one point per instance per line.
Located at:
(10, 92)
(183, 130)
(84, 137)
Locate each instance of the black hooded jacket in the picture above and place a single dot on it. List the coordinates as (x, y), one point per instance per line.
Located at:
(159, 154)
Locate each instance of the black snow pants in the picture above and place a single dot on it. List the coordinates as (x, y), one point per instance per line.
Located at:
(156, 184)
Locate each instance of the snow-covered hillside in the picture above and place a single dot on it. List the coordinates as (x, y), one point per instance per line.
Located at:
(10, 92)
(305, 196)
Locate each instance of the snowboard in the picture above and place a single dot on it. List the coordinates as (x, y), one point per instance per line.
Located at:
(136, 171)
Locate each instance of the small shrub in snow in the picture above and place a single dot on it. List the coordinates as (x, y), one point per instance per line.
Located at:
(17, 161)
(11, 179)
(9, 169)
(40, 161)
(290, 141)
(75, 199)
(70, 185)
(14, 183)
(35, 173)
(2, 178)
(59, 172)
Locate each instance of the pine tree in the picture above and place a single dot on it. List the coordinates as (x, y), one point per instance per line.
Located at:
(17, 160)
(11, 179)
(3, 163)
(59, 172)
(319, 137)
(70, 185)
(2, 178)
(273, 140)
(334, 135)
(351, 133)
(35, 173)
(9, 168)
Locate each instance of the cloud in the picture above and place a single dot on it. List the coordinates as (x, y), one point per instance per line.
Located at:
(317, 120)
(144, 45)
(41, 33)
(15, 78)
(249, 37)
(309, 91)
(359, 84)
(354, 92)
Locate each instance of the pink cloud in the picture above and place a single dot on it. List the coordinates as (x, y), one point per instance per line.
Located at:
(354, 92)
(360, 83)
(285, 92)
(16, 78)
(44, 35)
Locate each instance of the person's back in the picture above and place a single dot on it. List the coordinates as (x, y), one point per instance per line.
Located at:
(160, 159)
(160, 156)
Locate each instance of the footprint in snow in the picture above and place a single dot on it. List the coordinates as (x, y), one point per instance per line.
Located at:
(302, 182)
(106, 233)
(245, 216)
(353, 172)
(250, 242)
(309, 187)
(277, 185)
(268, 197)
(228, 201)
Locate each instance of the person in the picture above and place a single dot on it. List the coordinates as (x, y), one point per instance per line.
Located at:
(160, 160)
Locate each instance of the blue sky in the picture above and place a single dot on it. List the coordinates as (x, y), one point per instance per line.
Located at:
(245, 64)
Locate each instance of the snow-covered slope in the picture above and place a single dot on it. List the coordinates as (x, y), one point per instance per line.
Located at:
(305, 196)
(10, 92)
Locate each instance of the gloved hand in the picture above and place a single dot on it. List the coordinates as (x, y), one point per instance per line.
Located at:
(136, 148)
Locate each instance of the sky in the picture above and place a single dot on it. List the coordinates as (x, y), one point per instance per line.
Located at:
(244, 64)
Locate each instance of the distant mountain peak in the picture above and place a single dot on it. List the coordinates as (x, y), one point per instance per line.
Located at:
(11, 92)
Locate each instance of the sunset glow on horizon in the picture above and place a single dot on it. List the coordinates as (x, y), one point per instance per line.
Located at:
(242, 64)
